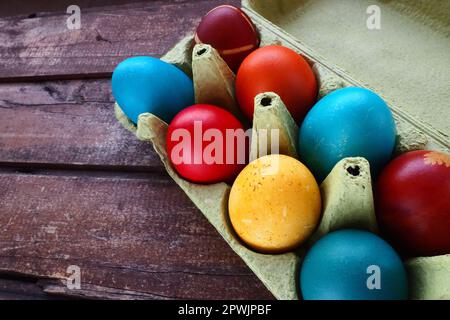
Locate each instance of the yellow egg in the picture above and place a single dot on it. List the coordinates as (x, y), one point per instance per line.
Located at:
(274, 204)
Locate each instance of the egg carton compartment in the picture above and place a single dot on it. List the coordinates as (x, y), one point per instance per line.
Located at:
(399, 49)
(347, 200)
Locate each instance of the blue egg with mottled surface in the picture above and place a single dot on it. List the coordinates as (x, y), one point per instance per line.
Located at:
(353, 265)
(349, 122)
(146, 84)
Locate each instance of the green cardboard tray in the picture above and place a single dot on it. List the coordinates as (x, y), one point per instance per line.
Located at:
(305, 26)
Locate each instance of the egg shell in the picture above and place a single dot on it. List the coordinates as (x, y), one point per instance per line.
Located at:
(231, 32)
(280, 70)
(210, 118)
(349, 122)
(337, 267)
(274, 204)
(413, 203)
(146, 84)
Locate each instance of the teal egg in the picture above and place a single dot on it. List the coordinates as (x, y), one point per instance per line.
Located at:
(349, 122)
(146, 84)
(353, 265)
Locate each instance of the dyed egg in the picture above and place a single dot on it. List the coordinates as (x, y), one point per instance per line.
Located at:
(350, 122)
(413, 203)
(206, 144)
(146, 84)
(231, 32)
(281, 70)
(274, 204)
(352, 265)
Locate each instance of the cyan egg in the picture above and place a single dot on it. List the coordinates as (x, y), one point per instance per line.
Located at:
(349, 122)
(353, 265)
(146, 84)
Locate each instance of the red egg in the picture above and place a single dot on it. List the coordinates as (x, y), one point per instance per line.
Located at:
(231, 32)
(413, 203)
(281, 70)
(207, 144)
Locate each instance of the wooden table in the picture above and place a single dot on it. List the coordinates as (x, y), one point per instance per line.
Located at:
(75, 187)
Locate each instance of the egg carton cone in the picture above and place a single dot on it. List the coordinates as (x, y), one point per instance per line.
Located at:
(347, 198)
(271, 116)
(429, 278)
(214, 80)
(347, 193)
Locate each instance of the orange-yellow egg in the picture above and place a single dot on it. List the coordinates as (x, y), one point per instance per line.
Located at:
(274, 204)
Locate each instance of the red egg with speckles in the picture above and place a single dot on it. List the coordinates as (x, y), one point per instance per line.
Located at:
(413, 203)
(231, 32)
(206, 144)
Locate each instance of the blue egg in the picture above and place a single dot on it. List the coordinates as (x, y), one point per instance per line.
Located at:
(353, 265)
(350, 122)
(146, 84)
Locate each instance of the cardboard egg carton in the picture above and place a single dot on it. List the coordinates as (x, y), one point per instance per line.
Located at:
(346, 193)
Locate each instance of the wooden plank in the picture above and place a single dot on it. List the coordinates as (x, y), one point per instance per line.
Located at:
(44, 48)
(22, 289)
(58, 288)
(128, 234)
(70, 124)
(29, 8)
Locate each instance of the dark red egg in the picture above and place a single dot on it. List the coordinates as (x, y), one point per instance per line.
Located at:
(207, 144)
(231, 32)
(413, 203)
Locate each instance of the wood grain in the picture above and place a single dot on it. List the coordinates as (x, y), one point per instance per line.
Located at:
(76, 188)
(17, 288)
(43, 47)
(30, 8)
(70, 124)
(126, 234)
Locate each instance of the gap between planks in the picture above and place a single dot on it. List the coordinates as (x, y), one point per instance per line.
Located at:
(83, 171)
(44, 48)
